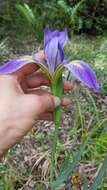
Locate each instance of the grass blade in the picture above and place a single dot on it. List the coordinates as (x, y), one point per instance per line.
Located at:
(100, 175)
(72, 166)
(27, 14)
(85, 185)
(63, 177)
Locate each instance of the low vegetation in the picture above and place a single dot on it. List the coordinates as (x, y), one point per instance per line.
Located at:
(82, 145)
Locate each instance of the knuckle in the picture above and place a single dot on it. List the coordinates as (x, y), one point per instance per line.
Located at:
(36, 101)
(41, 104)
(44, 102)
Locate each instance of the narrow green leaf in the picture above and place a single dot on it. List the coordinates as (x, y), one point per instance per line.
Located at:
(85, 183)
(63, 177)
(76, 9)
(27, 14)
(94, 105)
(58, 72)
(72, 166)
(69, 187)
(100, 175)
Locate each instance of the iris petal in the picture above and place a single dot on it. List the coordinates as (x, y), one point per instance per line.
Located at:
(60, 55)
(70, 58)
(51, 60)
(63, 38)
(54, 43)
(15, 64)
(51, 51)
(48, 35)
(84, 73)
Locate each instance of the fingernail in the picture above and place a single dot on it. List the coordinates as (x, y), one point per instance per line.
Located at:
(57, 101)
(69, 85)
(66, 101)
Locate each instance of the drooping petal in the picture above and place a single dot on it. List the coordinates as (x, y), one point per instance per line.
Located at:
(84, 73)
(51, 51)
(63, 38)
(15, 64)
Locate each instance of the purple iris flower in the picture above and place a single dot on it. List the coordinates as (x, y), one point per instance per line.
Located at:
(53, 62)
(54, 43)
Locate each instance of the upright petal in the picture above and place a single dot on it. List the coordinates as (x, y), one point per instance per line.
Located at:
(51, 51)
(63, 38)
(15, 64)
(60, 55)
(84, 73)
(47, 34)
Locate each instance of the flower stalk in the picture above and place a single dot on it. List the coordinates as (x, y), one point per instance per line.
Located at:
(56, 90)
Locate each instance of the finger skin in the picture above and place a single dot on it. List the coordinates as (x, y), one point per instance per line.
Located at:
(46, 116)
(19, 110)
(41, 55)
(40, 79)
(29, 68)
(49, 116)
(36, 105)
(65, 101)
(25, 71)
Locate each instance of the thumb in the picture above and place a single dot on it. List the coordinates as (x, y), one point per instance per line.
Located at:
(36, 105)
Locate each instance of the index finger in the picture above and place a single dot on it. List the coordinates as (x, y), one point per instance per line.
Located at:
(26, 70)
(30, 68)
(21, 66)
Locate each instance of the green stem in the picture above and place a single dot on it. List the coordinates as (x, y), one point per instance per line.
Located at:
(56, 90)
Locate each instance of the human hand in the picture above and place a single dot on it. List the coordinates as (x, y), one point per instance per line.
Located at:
(21, 103)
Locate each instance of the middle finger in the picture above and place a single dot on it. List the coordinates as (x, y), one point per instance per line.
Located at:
(40, 79)
(65, 101)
